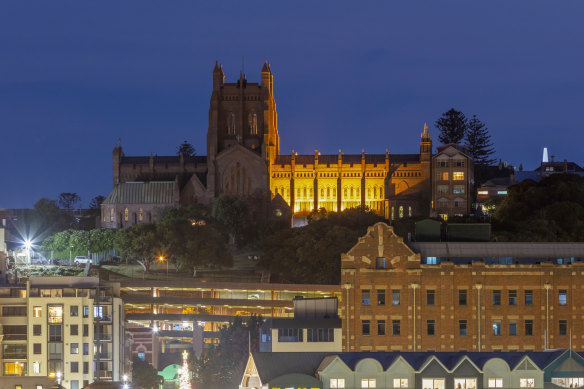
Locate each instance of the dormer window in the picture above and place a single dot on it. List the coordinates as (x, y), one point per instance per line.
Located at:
(380, 263)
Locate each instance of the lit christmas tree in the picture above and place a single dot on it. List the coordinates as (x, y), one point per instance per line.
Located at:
(185, 379)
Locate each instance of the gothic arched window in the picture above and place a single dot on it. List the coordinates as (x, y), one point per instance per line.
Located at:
(401, 211)
(410, 211)
(126, 214)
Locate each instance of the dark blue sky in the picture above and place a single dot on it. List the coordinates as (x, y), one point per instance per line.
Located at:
(76, 75)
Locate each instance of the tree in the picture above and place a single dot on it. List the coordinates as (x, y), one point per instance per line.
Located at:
(185, 375)
(232, 213)
(145, 375)
(141, 241)
(68, 201)
(96, 202)
(186, 149)
(478, 142)
(452, 126)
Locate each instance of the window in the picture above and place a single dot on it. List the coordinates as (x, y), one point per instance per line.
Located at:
(496, 297)
(55, 313)
(512, 327)
(444, 176)
(529, 297)
(140, 214)
(14, 351)
(495, 383)
(563, 329)
(142, 355)
(512, 297)
(74, 310)
(37, 312)
(74, 329)
(37, 348)
(74, 348)
(563, 297)
(395, 297)
(462, 297)
(380, 263)
(36, 330)
(290, 335)
(400, 382)
(443, 163)
(459, 163)
(431, 329)
(458, 176)
(527, 382)
(85, 311)
(85, 329)
(15, 368)
(380, 327)
(55, 334)
(337, 383)
(433, 383)
(401, 211)
(465, 383)
(368, 383)
(380, 296)
(574, 382)
(13, 311)
(126, 214)
(430, 296)
(365, 327)
(458, 189)
(442, 189)
(496, 327)
(56, 351)
(85, 348)
(432, 261)
(528, 327)
(365, 297)
(462, 327)
(111, 215)
(74, 367)
(395, 327)
(320, 335)
(36, 369)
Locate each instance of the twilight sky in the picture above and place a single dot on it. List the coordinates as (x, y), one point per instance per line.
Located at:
(77, 75)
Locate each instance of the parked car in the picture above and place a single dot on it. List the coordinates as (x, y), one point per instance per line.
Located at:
(81, 259)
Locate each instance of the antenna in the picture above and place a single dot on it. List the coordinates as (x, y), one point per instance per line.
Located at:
(242, 64)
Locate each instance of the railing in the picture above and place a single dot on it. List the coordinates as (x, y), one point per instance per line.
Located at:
(102, 356)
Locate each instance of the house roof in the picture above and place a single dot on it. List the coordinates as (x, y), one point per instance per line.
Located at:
(499, 249)
(156, 192)
(301, 323)
(273, 365)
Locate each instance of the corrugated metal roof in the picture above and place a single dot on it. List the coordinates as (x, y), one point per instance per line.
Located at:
(499, 249)
(142, 193)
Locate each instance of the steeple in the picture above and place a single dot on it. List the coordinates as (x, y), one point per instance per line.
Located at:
(268, 78)
(425, 144)
(218, 76)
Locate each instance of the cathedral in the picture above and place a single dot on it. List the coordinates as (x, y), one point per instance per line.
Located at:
(244, 159)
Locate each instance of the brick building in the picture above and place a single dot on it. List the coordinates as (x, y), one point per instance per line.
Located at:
(460, 296)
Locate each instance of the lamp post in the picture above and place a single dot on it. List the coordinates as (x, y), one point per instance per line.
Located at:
(162, 259)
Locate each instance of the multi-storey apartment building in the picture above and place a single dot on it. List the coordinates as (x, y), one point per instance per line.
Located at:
(70, 327)
(460, 296)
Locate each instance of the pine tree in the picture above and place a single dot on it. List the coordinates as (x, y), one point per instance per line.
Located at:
(185, 376)
(478, 142)
(186, 149)
(452, 126)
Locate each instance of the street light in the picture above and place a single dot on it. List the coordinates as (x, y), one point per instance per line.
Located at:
(162, 259)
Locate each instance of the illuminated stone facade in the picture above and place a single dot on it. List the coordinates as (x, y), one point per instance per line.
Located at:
(243, 159)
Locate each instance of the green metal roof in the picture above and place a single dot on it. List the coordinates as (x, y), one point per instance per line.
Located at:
(142, 193)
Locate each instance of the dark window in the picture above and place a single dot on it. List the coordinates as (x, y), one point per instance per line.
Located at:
(529, 327)
(512, 327)
(85, 311)
(431, 327)
(529, 297)
(55, 350)
(320, 335)
(462, 329)
(85, 348)
(496, 297)
(380, 327)
(85, 329)
(365, 327)
(36, 330)
(395, 327)
(365, 297)
(290, 335)
(563, 297)
(380, 263)
(380, 296)
(74, 348)
(13, 311)
(395, 297)
(512, 297)
(74, 310)
(85, 367)
(462, 297)
(74, 367)
(37, 348)
(430, 296)
(563, 327)
(55, 334)
(74, 329)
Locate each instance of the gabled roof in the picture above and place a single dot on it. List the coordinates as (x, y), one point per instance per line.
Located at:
(273, 365)
(160, 192)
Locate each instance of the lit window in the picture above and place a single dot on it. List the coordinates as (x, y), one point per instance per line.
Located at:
(458, 189)
(433, 383)
(495, 382)
(36, 367)
(563, 297)
(458, 176)
(142, 355)
(572, 382)
(483, 192)
(410, 211)
(112, 215)
(140, 214)
(55, 313)
(527, 382)
(445, 176)
(400, 382)
(365, 297)
(37, 312)
(74, 348)
(496, 327)
(368, 383)
(337, 383)
(431, 260)
(401, 211)
(501, 192)
(465, 383)
(126, 214)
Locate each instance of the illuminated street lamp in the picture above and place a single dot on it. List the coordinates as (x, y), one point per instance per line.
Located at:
(162, 259)
(28, 246)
